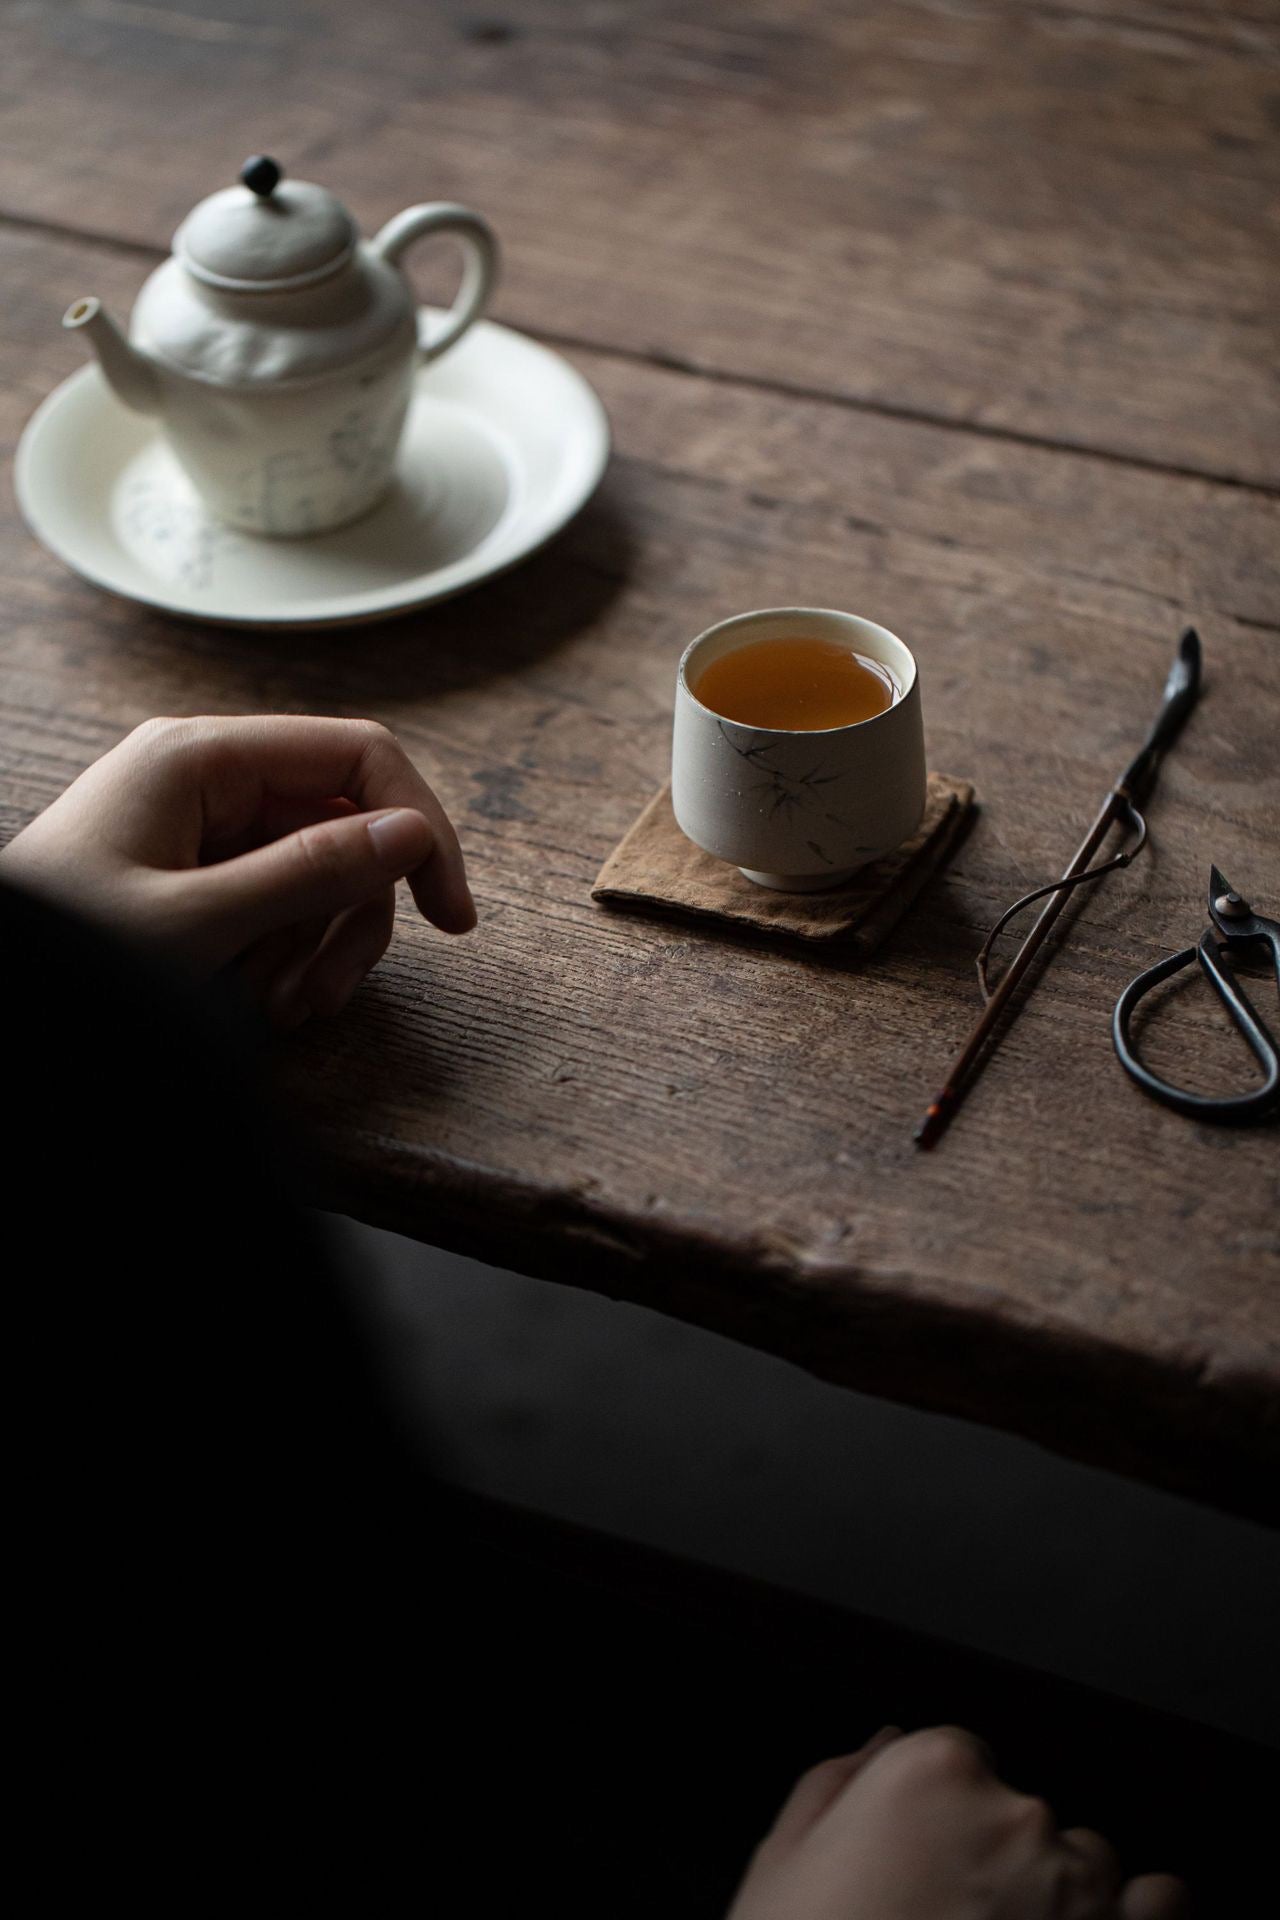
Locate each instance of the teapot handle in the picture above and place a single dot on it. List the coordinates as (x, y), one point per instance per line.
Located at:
(480, 264)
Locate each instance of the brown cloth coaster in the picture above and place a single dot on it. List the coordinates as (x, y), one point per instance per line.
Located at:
(655, 866)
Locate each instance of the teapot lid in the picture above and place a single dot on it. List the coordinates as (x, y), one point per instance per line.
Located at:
(267, 235)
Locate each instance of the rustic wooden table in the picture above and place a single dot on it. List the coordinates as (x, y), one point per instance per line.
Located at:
(959, 316)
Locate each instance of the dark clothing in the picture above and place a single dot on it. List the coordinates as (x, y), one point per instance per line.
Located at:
(207, 1490)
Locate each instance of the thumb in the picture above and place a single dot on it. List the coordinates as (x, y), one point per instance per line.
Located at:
(312, 874)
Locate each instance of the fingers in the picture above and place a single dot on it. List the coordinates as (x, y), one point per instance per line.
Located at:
(320, 871)
(258, 971)
(1097, 1853)
(317, 965)
(822, 1785)
(244, 761)
(1152, 1896)
(324, 981)
(277, 818)
(387, 778)
(1155, 1896)
(948, 1753)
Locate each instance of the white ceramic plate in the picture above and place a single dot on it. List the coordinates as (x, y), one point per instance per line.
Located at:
(504, 443)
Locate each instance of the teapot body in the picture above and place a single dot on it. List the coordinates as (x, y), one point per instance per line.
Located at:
(292, 459)
(282, 428)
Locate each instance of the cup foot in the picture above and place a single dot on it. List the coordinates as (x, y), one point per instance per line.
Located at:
(799, 882)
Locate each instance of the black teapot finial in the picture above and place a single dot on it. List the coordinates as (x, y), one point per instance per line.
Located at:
(261, 175)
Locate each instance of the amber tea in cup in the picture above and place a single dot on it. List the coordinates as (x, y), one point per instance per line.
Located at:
(796, 684)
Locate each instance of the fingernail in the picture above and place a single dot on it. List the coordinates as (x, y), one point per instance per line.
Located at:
(400, 839)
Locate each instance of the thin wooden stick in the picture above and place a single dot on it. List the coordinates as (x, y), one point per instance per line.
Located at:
(1181, 691)
(943, 1106)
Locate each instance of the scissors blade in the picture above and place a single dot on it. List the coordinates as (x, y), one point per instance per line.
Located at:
(1218, 885)
(1235, 921)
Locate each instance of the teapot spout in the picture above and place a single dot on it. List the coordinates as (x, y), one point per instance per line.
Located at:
(128, 371)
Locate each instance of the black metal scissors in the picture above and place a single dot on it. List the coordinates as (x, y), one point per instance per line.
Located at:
(1233, 924)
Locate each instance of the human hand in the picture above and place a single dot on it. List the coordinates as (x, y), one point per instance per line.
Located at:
(918, 1827)
(269, 844)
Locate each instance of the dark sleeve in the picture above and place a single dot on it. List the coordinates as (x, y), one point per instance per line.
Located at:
(208, 1490)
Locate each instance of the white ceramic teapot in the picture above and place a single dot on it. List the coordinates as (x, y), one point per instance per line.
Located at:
(279, 349)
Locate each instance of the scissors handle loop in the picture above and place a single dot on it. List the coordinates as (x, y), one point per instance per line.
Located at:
(1254, 1105)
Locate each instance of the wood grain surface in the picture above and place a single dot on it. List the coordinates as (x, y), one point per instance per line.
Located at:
(1051, 220)
(713, 1128)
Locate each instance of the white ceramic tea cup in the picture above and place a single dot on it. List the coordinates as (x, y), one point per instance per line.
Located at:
(798, 811)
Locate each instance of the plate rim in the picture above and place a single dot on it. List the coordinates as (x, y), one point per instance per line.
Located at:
(49, 538)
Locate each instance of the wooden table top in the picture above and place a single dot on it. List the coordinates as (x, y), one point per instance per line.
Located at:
(962, 318)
